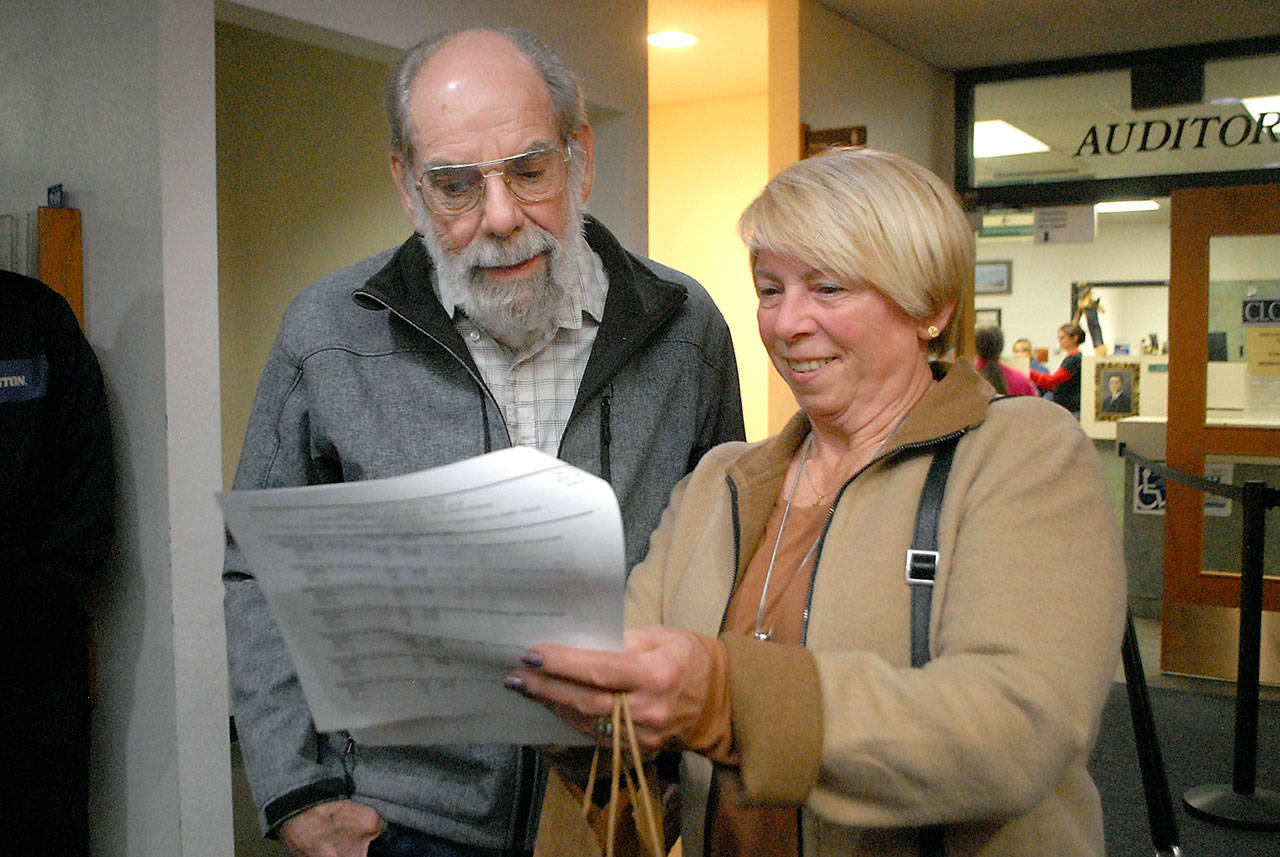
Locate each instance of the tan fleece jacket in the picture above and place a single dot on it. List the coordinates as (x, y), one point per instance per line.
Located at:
(992, 736)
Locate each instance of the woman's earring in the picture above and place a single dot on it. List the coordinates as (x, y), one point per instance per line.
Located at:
(933, 331)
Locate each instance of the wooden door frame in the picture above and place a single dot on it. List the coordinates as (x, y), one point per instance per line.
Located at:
(1196, 215)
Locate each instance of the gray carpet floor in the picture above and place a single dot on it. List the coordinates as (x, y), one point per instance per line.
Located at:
(1196, 737)
(1197, 734)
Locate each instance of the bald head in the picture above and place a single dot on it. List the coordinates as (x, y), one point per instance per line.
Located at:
(562, 89)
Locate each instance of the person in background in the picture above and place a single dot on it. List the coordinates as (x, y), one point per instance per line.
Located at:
(1065, 380)
(56, 525)
(770, 624)
(1022, 348)
(989, 343)
(509, 318)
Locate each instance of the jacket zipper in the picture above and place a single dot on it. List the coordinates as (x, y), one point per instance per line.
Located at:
(479, 381)
(831, 512)
(349, 760)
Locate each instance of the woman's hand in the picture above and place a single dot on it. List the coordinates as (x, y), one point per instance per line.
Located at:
(673, 679)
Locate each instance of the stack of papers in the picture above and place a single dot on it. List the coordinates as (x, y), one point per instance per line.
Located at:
(404, 602)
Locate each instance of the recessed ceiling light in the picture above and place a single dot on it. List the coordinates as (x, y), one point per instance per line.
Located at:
(1261, 104)
(672, 39)
(993, 138)
(1123, 205)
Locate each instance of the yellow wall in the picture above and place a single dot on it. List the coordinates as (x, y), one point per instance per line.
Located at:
(707, 160)
(784, 146)
(287, 112)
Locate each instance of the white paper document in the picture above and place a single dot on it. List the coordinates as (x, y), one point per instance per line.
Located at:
(404, 602)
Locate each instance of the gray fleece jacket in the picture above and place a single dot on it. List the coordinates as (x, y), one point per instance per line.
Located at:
(368, 378)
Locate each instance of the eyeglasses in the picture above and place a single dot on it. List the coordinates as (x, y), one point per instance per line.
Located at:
(455, 189)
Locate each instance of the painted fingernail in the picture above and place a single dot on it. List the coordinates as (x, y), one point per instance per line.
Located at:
(513, 682)
(531, 659)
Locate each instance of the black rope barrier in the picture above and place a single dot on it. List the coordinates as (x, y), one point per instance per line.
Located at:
(1242, 804)
(1155, 782)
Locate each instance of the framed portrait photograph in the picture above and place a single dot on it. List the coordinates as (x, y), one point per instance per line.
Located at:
(986, 318)
(1115, 390)
(993, 278)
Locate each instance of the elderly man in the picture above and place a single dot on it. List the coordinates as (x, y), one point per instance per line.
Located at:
(511, 317)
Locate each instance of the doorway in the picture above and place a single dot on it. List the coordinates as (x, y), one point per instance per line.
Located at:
(1224, 244)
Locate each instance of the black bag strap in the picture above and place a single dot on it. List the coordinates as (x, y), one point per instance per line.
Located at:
(922, 568)
(922, 557)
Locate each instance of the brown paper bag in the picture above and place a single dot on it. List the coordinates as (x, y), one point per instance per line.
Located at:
(573, 826)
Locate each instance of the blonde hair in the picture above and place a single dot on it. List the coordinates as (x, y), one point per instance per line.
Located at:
(872, 217)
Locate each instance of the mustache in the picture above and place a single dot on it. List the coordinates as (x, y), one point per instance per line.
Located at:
(495, 253)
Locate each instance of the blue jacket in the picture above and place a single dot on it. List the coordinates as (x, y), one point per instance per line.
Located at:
(368, 378)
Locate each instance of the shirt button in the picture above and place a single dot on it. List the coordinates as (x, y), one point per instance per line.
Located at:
(474, 335)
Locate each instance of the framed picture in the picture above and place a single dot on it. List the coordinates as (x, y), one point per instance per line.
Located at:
(812, 141)
(1115, 390)
(986, 318)
(993, 278)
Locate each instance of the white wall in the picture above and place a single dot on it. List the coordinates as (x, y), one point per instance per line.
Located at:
(1040, 300)
(850, 77)
(84, 97)
(115, 100)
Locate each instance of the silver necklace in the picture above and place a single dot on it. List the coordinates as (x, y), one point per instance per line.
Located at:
(761, 634)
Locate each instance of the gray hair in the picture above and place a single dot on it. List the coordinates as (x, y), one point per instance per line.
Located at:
(566, 93)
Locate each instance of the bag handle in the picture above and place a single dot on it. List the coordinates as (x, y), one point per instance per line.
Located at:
(648, 822)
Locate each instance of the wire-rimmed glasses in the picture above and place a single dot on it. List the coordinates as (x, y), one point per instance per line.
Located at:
(533, 176)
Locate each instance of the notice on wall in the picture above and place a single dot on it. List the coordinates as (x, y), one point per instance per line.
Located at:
(1261, 319)
(1068, 224)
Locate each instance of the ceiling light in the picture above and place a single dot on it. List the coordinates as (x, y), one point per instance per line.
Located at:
(671, 39)
(993, 138)
(1261, 104)
(1126, 205)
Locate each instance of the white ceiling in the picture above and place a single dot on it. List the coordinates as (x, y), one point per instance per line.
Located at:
(949, 34)
(960, 34)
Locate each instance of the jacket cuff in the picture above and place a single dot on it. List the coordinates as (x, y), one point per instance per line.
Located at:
(774, 690)
(289, 804)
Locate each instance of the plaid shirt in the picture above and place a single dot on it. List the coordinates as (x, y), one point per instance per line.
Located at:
(537, 385)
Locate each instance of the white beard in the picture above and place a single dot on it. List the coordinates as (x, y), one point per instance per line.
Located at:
(514, 312)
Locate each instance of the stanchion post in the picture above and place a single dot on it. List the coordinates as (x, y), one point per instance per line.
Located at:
(1243, 805)
(1254, 513)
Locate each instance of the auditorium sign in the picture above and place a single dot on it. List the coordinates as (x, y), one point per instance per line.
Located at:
(1192, 132)
(1197, 113)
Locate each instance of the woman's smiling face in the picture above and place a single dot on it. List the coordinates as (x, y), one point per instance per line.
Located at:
(839, 345)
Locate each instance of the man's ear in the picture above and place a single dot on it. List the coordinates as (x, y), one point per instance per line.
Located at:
(586, 140)
(404, 188)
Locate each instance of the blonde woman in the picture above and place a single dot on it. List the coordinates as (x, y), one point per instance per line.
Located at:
(771, 635)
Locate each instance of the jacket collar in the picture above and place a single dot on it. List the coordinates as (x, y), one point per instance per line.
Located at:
(403, 285)
(957, 403)
(637, 305)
